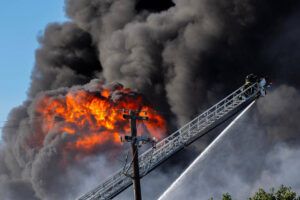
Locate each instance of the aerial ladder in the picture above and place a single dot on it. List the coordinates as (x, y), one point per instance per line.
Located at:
(253, 88)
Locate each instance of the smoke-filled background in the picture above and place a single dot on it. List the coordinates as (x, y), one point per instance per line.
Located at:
(183, 56)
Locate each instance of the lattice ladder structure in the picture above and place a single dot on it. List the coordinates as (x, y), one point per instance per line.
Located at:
(180, 138)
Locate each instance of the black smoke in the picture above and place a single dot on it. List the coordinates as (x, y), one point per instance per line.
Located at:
(67, 57)
(183, 55)
(153, 6)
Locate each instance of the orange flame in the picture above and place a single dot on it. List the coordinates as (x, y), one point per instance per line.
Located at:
(93, 120)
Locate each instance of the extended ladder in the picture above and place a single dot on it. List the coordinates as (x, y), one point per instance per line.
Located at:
(176, 141)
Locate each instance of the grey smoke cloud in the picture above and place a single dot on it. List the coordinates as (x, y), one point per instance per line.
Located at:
(183, 59)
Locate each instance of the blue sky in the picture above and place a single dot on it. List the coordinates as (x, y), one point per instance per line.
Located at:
(20, 23)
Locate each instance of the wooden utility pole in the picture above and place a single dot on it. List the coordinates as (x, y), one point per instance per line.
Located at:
(133, 116)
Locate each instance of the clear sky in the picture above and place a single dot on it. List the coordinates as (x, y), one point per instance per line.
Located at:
(21, 21)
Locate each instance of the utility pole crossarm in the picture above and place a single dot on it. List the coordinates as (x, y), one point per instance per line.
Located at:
(135, 117)
(180, 138)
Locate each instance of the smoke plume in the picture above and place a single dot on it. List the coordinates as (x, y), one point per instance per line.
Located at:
(182, 55)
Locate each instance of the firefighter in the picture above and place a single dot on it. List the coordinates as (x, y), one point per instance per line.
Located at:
(250, 79)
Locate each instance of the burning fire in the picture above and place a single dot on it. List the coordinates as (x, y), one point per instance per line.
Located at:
(93, 119)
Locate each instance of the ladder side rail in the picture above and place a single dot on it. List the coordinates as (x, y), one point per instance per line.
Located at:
(212, 112)
(107, 183)
(239, 90)
(211, 109)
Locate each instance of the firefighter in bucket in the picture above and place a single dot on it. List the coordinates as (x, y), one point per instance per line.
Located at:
(262, 84)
